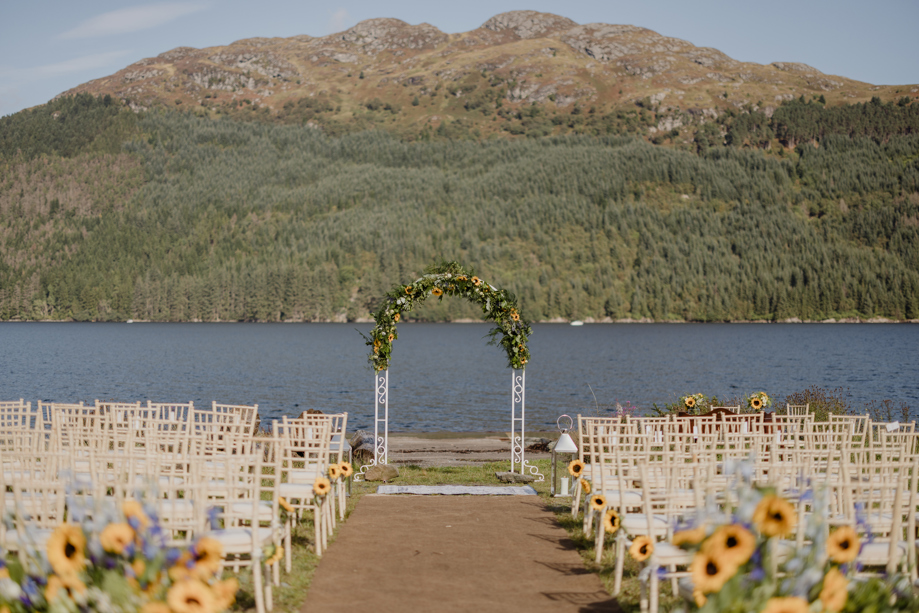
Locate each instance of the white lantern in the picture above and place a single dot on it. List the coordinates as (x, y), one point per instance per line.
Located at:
(564, 445)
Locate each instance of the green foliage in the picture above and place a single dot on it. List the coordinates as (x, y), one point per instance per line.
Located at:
(251, 221)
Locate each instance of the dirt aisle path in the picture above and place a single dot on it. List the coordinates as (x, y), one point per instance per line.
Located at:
(404, 554)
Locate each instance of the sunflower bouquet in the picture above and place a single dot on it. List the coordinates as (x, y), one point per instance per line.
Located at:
(115, 560)
(741, 562)
(759, 401)
(694, 403)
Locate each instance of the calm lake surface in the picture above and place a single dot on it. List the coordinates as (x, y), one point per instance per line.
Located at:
(445, 377)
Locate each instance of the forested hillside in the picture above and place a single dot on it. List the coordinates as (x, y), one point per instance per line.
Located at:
(169, 216)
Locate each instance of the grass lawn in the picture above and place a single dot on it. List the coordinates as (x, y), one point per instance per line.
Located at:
(290, 596)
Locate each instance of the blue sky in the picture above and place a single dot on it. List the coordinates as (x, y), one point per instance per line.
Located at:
(49, 46)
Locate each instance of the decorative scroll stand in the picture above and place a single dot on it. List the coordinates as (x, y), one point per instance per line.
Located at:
(381, 443)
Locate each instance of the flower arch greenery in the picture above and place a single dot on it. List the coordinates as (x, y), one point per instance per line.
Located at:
(511, 331)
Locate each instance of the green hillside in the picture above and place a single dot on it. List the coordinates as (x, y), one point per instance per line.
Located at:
(107, 215)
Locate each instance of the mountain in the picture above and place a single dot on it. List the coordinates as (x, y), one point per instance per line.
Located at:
(414, 79)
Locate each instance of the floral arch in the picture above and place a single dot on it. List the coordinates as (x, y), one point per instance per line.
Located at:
(511, 332)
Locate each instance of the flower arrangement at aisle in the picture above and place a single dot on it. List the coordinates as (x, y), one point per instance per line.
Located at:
(116, 560)
(694, 403)
(451, 279)
(741, 563)
(759, 401)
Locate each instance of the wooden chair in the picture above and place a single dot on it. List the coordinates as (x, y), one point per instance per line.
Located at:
(797, 409)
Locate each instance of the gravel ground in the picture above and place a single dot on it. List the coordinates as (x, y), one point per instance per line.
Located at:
(459, 449)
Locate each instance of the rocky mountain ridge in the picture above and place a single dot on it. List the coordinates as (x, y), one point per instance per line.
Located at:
(389, 74)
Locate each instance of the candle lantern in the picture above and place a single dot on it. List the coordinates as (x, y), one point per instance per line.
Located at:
(564, 447)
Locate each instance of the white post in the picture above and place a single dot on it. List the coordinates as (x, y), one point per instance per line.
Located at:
(518, 393)
(381, 399)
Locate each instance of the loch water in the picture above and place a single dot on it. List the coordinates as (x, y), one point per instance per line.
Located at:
(446, 377)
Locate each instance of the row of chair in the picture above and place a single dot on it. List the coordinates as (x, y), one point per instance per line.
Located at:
(658, 472)
(203, 474)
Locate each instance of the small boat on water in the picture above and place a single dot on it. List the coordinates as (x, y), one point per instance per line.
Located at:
(577, 322)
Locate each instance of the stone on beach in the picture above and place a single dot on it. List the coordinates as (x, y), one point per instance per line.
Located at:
(381, 472)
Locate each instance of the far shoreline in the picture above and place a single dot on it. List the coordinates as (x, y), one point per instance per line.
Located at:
(557, 320)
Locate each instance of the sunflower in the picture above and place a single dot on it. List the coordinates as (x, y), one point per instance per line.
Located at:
(709, 574)
(732, 543)
(774, 516)
(756, 404)
(115, 537)
(408, 289)
(225, 593)
(69, 583)
(693, 536)
(155, 607)
(476, 281)
(346, 469)
(699, 598)
(843, 545)
(515, 316)
(611, 521)
(437, 292)
(790, 604)
(334, 472)
(642, 548)
(396, 317)
(835, 591)
(391, 337)
(208, 553)
(322, 486)
(132, 509)
(190, 596)
(576, 468)
(276, 556)
(285, 505)
(585, 486)
(65, 549)
(598, 502)
(690, 402)
(462, 278)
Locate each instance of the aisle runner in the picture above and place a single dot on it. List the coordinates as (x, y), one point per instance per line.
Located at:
(462, 490)
(403, 554)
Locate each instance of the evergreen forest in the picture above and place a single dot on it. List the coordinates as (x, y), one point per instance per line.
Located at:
(110, 215)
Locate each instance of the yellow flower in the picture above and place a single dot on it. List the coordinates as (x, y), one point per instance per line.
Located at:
(132, 509)
(756, 403)
(190, 596)
(585, 486)
(115, 537)
(334, 472)
(208, 553)
(693, 536)
(843, 545)
(285, 505)
(408, 289)
(476, 281)
(225, 593)
(774, 516)
(598, 502)
(4, 574)
(515, 316)
(396, 317)
(346, 469)
(451, 287)
(611, 521)
(391, 337)
(835, 591)
(276, 556)
(642, 548)
(155, 607)
(790, 604)
(699, 598)
(576, 467)
(70, 584)
(462, 278)
(709, 574)
(322, 486)
(733, 544)
(690, 402)
(65, 549)
(437, 291)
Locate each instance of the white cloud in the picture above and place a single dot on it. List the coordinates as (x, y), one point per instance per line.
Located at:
(77, 64)
(338, 21)
(134, 19)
